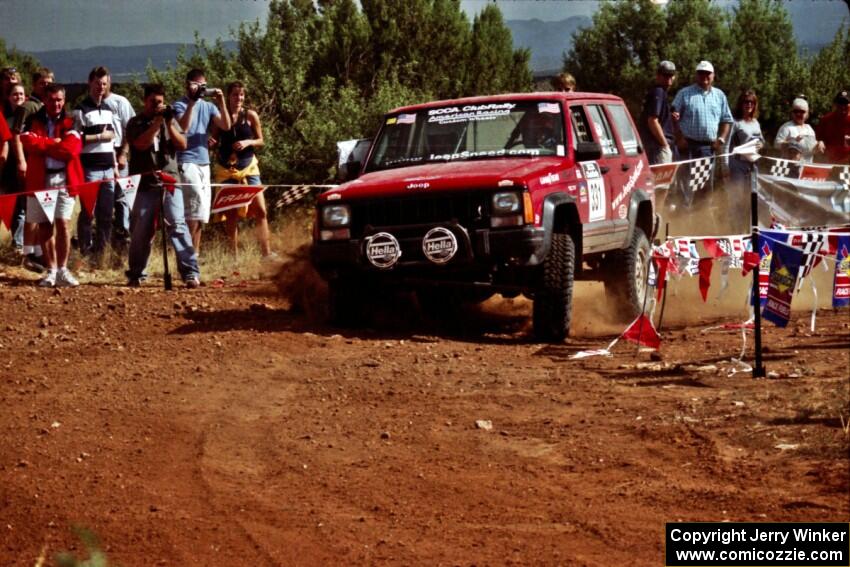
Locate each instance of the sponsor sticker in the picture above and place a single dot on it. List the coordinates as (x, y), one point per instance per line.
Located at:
(551, 107)
(391, 121)
(439, 245)
(406, 118)
(418, 185)
(506, 183)
(622, 211)
(382, 250)
(549, 179)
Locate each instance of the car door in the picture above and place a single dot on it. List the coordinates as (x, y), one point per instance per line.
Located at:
(600, 231)
(630, 167)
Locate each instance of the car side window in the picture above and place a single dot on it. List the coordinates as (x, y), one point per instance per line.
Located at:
(581, 126)
(603, 130)
(628, 137)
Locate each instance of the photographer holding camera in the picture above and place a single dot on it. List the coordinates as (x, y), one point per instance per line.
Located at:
(196, 117)
(155, 137)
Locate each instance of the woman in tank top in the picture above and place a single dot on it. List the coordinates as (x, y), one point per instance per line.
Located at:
(236, 163)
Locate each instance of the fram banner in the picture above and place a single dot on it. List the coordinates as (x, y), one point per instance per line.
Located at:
(664, 174)
(841, 283)
(234, 197)
(784, 268)
(799, 202)
(811, 172)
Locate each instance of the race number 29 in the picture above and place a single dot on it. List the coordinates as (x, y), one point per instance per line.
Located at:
(595, 190)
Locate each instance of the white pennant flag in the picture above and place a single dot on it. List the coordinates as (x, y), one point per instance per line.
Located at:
(47, 200)
(130, 185)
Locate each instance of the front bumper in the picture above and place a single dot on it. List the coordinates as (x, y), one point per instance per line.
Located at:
(478, 250)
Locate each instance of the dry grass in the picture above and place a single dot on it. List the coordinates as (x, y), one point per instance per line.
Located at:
(290, 230)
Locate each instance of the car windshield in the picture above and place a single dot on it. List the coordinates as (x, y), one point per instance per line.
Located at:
(519, 129)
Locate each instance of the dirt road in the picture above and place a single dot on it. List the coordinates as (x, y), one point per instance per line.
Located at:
(216, 427)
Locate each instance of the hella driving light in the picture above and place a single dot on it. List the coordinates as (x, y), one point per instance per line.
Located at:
(335, 216)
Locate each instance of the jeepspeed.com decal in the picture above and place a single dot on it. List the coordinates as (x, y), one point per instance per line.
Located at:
(382, 250)
(439, 245)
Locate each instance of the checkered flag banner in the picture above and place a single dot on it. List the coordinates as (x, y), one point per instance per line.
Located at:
(701, 173)
(781, 168)
(844, 176)
(292, 195)
(810, 243)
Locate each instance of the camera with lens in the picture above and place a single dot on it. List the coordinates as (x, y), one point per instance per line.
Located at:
(203, 91)
(167, 112)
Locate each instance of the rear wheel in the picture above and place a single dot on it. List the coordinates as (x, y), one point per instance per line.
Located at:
(554, 295)
(626, 281)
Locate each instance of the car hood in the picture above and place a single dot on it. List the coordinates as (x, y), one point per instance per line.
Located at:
(447, 176)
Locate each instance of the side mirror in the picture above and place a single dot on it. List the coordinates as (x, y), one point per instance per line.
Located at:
(588, 151)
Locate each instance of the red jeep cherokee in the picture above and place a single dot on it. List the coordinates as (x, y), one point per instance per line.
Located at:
(519, 193)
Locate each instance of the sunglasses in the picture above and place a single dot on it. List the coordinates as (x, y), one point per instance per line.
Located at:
(749, 102)
(798, 111)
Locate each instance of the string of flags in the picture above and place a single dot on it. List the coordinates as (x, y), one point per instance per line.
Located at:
(784, 256)
(700, 169)
(228, 196)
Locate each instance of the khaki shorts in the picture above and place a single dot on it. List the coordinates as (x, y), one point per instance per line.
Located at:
(197, 193)
(64, 203)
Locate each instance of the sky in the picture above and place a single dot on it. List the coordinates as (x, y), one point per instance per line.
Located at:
(42, 25)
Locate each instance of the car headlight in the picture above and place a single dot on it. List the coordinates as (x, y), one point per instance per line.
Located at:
(506, 203)
(335, 216)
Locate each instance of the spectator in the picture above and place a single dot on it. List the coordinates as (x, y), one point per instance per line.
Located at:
(9, 77)
(656, 124)
(564, 82)
(5, 137)
(93, 120)
(122, 112)
(41, 79)
(703, 116)
(9, 176)
(155, 137)
(745, 129)
(237, 164)
(834, 130)
(796, 130)
(196, 116)
(52, 148)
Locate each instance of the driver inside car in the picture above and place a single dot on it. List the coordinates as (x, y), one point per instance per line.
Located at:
(541, 131)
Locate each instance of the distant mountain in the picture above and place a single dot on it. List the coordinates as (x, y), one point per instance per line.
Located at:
(124, 63)
(547, 40)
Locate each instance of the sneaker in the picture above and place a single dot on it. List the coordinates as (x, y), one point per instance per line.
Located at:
(64, 278)
(49, 280)
(34, 263)
(271, 257)
(193, 282)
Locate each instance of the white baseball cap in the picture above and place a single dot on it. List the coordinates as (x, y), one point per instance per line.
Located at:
(705, 66)
(800, 104)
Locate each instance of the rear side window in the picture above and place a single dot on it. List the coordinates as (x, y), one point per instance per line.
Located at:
(581, 126)
(603, 130)
(621, 121)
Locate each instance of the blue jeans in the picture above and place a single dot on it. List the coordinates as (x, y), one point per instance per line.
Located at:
(122, 207)
(103, 213)
(145, 211)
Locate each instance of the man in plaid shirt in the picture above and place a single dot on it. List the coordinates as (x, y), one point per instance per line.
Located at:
(703, 116)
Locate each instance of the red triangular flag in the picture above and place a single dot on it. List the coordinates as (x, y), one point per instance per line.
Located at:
(7, 209)
(705, 265)
(642, 332)
(751, 260)
(710, 245)
(88, 195)
(661, 263)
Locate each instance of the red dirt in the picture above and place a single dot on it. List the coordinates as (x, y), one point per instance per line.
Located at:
(216, 427)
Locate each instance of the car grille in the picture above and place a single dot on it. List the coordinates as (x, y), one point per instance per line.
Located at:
(470, 209)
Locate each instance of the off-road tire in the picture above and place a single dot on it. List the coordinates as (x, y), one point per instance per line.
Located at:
(625, 281)
(554, 295)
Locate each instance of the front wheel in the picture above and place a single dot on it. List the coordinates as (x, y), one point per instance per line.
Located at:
(554, 294)
(626, 281)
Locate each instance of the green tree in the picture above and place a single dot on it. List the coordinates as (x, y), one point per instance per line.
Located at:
(829, 73)
(25, 64)
(494, 66)
(619, 52)
(765, 57)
